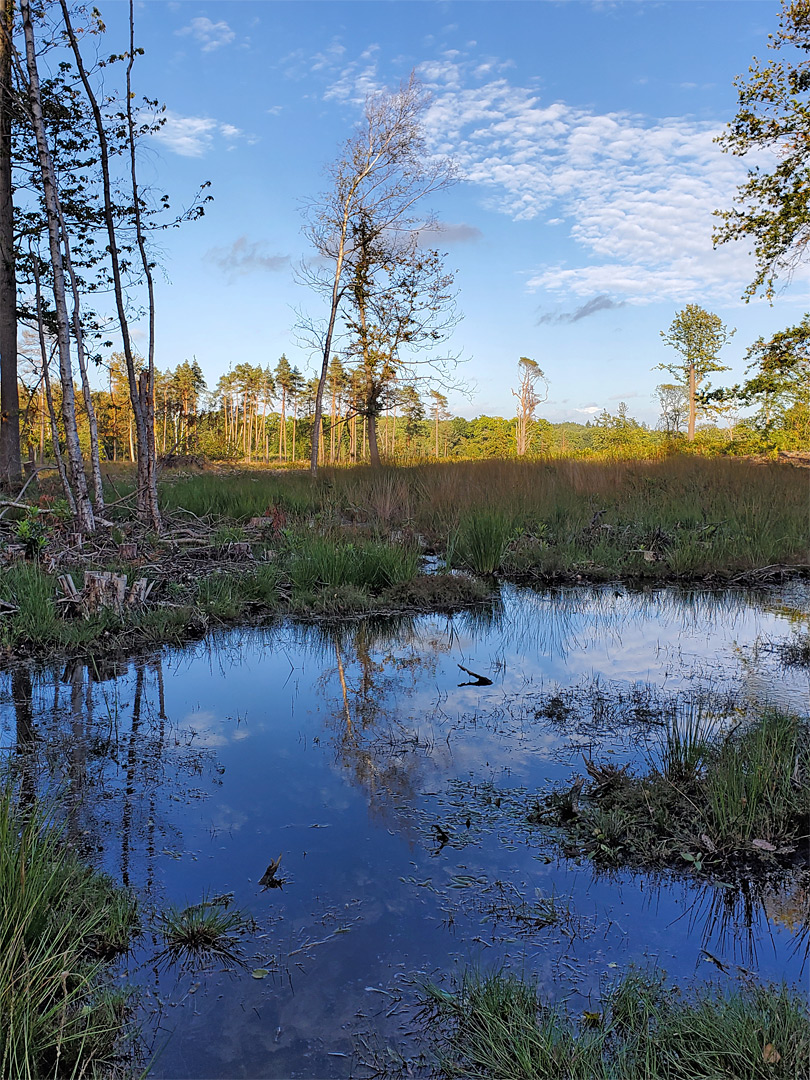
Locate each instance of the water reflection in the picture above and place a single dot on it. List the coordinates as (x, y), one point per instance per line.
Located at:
(397, 799)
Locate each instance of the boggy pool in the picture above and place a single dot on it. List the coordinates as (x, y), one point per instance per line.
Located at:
(391, 763)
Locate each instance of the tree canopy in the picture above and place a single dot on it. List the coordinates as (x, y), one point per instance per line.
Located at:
(773, 206)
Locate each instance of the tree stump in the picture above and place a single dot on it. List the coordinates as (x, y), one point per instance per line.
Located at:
(103, 589)
(139, 592)
(128, 551)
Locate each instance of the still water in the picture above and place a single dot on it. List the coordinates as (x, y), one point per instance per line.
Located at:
(395, 785)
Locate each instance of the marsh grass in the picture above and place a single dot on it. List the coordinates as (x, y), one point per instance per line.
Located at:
(690, 727)
(59, 922)
(757, 783)
(737, 799)
(321, 562)
(697, 515)
(481, 540)
(239, 494)
(495, 1027)
(202, 933)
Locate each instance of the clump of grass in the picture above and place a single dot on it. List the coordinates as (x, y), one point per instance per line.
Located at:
(687, 740)
(495, 1027)
(321, 563)
(734, 800)
(227, 534)
(57, 921)
(757, 784)
(31, 590)
(202, 933)
(482, 540)
(436, 592)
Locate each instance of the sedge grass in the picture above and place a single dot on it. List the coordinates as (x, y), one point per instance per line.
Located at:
(495, 1027)
(58, 921)
(202, 933)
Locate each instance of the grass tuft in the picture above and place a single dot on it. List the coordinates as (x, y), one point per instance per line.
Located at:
(202, 933)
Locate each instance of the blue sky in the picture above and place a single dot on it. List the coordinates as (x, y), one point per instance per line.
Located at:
(583, 133)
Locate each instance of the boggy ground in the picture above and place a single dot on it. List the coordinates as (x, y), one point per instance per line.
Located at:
(246, 544)
(735, 801)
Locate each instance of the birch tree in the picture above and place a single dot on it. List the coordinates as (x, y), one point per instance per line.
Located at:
(85, 518)
(10, 464)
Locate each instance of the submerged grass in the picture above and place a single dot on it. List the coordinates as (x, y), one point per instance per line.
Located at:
(59, 923)
(735, 800)
(495, 1027)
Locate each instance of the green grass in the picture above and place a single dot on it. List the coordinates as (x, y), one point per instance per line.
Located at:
(202, 933)
(495, 1027)
(59, 923)
(709, 799)
(238, 495)
(321, 563)
(349, 541)
(481, 540)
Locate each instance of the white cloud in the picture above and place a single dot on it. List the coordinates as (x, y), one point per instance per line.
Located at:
(189, 136)
(637, 193)
(209, 35)
(193, 136)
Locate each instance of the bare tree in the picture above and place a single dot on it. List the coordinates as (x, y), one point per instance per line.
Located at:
(529, 395)
(140, 390)
(381, 173)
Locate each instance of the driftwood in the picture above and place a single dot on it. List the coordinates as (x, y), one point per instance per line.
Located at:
(103, 589)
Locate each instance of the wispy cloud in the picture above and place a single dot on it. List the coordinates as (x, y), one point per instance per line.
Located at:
(598, 303)
(636, 193)
(208, 35)
(245, 256)
(194, 136)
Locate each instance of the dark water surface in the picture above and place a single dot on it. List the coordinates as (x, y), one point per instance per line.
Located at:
(397, 800)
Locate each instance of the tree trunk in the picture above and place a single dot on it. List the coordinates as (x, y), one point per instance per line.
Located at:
(373, 447)
(46, 379)
(78, 333)
(85, 521)
(690, 434)
(146, 491)
(10, 464)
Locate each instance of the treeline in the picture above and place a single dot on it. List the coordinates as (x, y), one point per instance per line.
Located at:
(258, 414)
